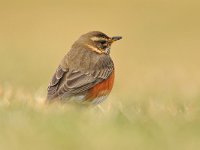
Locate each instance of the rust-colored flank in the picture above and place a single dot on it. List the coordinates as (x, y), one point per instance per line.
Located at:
(101, 89)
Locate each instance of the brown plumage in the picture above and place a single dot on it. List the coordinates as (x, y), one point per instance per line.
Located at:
(86, 73)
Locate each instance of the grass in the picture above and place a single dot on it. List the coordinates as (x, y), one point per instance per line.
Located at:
(27, 123)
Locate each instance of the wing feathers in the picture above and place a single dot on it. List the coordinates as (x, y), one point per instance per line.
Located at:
(67, 82)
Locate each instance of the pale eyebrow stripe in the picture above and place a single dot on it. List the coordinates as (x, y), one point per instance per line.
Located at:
(94, 49)
(98, 38)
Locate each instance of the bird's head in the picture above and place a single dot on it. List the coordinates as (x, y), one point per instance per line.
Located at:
(98, 41)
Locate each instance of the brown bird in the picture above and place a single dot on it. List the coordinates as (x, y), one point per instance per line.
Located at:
(86, 73)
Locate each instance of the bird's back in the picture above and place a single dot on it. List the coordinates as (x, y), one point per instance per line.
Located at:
(80, 73)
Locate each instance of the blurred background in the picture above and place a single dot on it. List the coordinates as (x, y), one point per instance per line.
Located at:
(160, 46)
(155, 100)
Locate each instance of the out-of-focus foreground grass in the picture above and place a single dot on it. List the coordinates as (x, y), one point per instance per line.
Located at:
(163, 123)
(155, 103)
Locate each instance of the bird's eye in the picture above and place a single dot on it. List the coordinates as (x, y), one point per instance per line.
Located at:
(102, 41)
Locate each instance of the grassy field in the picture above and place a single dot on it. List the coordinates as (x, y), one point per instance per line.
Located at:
(133, 123)
(155, 103)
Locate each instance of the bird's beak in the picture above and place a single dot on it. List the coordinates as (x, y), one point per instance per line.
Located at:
(116, 38)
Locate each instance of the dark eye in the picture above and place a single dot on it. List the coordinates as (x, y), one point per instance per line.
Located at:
(102, 42)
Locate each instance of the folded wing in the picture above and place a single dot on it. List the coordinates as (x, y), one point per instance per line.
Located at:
(67, 82)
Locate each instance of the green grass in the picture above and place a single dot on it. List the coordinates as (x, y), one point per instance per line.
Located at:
(27, 123)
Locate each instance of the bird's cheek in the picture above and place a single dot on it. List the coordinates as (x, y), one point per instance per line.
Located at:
(106, 45)
(99, 46)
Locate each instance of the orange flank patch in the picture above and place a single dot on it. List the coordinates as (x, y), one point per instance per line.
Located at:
(101, 89)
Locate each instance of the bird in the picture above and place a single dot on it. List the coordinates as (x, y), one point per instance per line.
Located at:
(86, 73)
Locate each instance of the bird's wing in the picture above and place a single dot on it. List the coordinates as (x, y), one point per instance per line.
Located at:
(66, 82)
(55, 82)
